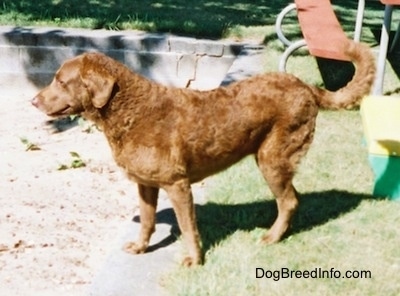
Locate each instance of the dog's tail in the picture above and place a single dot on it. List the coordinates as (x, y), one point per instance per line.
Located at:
(351, 95)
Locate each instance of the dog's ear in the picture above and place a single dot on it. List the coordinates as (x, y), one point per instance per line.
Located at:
(100, 86)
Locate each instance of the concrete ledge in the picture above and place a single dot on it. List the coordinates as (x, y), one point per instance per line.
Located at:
(34, 54)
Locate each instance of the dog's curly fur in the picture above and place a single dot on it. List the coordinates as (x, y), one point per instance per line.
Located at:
(165, 137)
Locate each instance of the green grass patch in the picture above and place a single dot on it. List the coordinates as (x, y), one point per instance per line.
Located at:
(339, 225)
(187, 17)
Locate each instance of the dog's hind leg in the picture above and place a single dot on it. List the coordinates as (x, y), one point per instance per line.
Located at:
(181, 197)
(277, 159)
(279, 179)
(148, 203)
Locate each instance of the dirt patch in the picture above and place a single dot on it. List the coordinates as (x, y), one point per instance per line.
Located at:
(55, 225)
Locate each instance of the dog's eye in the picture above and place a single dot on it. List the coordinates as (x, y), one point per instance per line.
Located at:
(60, 83)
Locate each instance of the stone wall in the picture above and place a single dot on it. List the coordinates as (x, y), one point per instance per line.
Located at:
(32, 55)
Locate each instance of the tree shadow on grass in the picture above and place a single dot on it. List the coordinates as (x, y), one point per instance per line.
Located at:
(216, 222)
(187, 17)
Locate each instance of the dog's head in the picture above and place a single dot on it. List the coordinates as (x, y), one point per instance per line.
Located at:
(80, 85)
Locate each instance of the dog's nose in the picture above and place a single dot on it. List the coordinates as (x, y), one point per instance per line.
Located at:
(35, 102)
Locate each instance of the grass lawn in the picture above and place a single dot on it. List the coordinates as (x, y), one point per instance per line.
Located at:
(339, 224)
(186, 17)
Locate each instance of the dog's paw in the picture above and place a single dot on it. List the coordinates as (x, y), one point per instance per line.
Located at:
(134, 248)
(270, 239)
(191, 262)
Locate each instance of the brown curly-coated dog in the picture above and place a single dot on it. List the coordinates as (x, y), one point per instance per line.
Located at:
(169, 138)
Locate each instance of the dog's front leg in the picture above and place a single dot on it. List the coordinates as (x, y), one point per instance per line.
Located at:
(148, 203)
(181, 197)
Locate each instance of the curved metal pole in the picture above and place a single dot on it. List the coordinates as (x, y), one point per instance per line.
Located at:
(285, 56)
(278, 23)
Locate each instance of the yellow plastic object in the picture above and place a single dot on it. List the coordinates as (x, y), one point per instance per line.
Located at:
(381, 122)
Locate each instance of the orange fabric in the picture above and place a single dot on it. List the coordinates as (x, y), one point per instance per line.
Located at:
(321, 29)
(391, 2)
